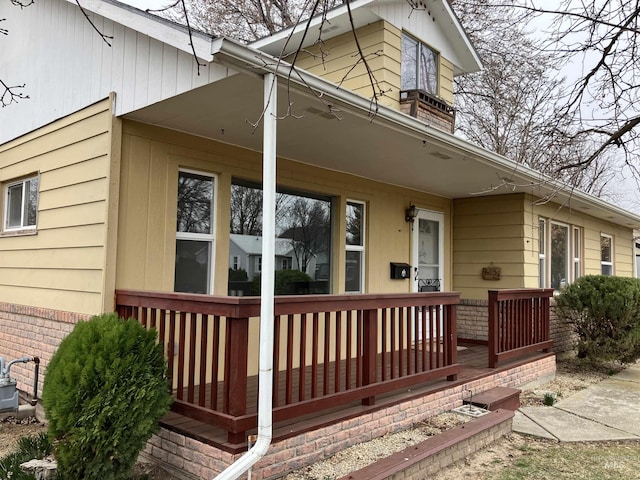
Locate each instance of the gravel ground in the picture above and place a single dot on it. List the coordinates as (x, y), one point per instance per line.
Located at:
(571, 376)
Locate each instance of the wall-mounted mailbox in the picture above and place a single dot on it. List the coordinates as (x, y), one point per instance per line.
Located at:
(400, 271)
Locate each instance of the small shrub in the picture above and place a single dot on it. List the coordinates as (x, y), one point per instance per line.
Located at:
(238, 275)
(605, 315)
(104, 391)
(549, 399)
(287, 282)
(30, 447)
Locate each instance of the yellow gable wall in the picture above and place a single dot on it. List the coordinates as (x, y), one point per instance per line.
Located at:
(502, 231)
(65, 265)
(381, 45)
(146, 236)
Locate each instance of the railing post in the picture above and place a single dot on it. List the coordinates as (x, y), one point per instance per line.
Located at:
(493, 328)
(452, 339)
(370, 350)
(235, 371)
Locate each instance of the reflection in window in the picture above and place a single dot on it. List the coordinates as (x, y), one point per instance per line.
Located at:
(419, 68)
(194, 232)
(354, 263)
(21, 204)
(303, 241)
(559, 256)
(606, 254)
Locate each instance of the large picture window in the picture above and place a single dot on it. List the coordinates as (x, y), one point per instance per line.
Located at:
(302, 244)
(21, 204)
(419, 68)
(559, 255)
(354, 263)
(194, 232)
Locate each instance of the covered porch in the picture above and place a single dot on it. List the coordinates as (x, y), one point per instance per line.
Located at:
(336, 356)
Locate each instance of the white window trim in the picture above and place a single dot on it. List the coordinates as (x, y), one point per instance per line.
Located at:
(5, 221)
(542, 256)
(210, 237)
(610, 263)
(576, 251)
(358, 248)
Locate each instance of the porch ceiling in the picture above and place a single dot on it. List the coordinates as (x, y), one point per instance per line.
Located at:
(378, 148)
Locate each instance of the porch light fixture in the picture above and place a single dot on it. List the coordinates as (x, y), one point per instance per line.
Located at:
(410, 214)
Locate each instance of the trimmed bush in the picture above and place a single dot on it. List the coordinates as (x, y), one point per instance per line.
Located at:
(605, 315)
(104, 391)
(287, 282)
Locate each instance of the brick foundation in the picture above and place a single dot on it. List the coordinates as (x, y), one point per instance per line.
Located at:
(472, 324)
(35, 332)
(204, 461)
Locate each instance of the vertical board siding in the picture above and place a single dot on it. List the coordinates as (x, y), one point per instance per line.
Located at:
(62, 265)
(81, 69)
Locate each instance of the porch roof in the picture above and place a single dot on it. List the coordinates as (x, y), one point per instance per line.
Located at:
(386, 146)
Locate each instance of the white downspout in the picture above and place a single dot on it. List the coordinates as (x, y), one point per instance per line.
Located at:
(265, 376)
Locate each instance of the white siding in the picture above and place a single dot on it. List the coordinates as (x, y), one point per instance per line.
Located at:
(65, 65)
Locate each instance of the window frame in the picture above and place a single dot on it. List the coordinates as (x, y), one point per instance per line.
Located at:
(419, 46)
(575, 253)
(357, 248)
(202, 237)
(611, 253)
(6, 186)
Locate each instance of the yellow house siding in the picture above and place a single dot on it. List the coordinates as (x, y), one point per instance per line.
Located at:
(381, 45)
(487, 230)
(146, 235)
(446, 80)
(62, 264)
(337, 60)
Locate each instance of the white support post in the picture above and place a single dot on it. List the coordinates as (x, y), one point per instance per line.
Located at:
(265, 376)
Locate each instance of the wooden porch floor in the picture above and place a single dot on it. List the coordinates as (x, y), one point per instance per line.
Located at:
(472, 358)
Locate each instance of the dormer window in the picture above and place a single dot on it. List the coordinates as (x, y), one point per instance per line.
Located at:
(419, 66)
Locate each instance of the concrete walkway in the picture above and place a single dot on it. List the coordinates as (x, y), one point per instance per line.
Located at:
(609, 410)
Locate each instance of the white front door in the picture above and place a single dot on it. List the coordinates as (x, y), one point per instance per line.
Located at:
(428, 251)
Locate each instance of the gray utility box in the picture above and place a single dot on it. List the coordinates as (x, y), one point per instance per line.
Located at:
(8, 396)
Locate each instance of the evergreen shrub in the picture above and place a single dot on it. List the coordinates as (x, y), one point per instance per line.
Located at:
(287, 282)
(104, 391)
(604, 312)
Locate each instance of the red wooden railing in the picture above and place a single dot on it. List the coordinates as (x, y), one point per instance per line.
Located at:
(518, 323)
(329, 350)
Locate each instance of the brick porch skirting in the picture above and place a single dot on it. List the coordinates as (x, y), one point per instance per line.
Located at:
(200, 460)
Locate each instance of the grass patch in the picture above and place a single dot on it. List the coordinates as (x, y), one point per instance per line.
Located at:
(570, 461)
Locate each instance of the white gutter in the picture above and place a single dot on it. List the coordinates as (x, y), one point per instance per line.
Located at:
(265, 375)
(255, 61)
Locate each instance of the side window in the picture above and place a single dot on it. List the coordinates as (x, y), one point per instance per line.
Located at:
(21, 204)
(606, 254)
(355, 247)
(419, 66)
(195, 232)
(559, 255)
(542, 253)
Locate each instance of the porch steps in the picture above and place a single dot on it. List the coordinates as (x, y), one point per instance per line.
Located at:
(425, 459)
(497, 398)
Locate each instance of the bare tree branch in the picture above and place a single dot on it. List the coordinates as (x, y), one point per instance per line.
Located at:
(10, 94)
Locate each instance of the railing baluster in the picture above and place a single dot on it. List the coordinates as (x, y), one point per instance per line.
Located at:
(192, 358)
(289, 367)
(215, 363)
(348, 353)
(204, 341)
(172, 342)
(327, 358)
(314, 354)
(385, 362)
(276, 361)
(302, 361)
(338, 348)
